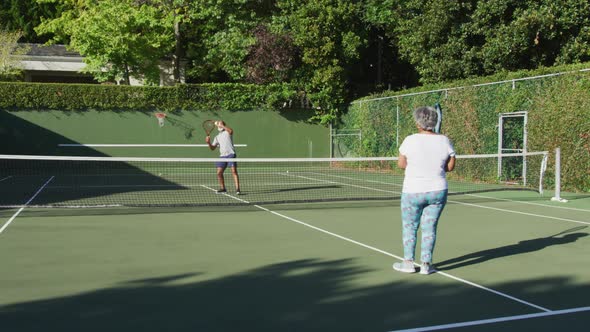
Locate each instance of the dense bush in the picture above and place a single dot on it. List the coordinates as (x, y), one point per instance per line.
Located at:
(225, 96)
(558, 116)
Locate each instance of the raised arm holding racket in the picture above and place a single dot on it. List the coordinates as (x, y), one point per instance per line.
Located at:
(224, 141)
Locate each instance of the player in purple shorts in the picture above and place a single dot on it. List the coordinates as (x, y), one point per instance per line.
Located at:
(224, 141)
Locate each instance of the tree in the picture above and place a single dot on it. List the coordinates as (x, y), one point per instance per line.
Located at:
(456, 39)
(271, 58)
(220, 37)
(179, 9)
(118, 38)
(329, 34)
(9, 52)
(24, 15)
(538, 33)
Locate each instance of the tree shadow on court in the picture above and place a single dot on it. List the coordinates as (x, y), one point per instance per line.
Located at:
(521, 247)
(90, 182)
(300, 295)
(21, 137)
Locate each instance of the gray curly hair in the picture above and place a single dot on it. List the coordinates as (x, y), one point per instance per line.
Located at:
(426, 117)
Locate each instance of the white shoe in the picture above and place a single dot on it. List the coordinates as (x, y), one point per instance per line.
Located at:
(405, 266)
(426, 268)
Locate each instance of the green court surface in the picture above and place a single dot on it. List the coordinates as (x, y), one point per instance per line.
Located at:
(508, 261)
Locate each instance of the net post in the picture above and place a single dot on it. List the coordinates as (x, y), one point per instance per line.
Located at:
(397, 124)
(542, 170)
(557, 195)
(524, 147)
(331, 141)
(500, 144)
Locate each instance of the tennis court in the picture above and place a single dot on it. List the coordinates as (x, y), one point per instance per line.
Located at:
(308, 248)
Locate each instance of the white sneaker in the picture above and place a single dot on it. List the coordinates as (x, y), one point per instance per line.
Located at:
(405, 266)
(426, 268)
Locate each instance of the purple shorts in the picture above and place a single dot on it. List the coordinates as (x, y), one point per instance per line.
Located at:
(229, 163)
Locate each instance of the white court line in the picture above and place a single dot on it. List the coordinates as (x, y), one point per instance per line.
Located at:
(385, 252)
(6, 178)
(23, 207)
(495, 320)
(166, 185)
(63, 206)
(332, 182)
(364, 180)
(519, 212)
(469, 204)
(141, 145)
(474, 195)
(529, 203)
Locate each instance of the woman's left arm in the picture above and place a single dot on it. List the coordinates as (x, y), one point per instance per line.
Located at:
(402, 161)
(451, 163)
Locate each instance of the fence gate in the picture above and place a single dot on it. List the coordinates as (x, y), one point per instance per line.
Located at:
(345, 142)
(512, 138)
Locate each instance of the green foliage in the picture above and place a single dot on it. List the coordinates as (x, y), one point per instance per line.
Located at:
(563, 120)
(557, 106)
(329, 34)
(220, 36)
(231, 56)
(448, 40)
(80, 97)
(9, 69)
(118, 38)
(24, 16)
(341, 48)
(335, 44)
(271, 58)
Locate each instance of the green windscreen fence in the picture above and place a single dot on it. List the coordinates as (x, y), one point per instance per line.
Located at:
(259, 134)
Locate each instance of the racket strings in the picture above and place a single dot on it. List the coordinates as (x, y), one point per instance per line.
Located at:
(208, 126)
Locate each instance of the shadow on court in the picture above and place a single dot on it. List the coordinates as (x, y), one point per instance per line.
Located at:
(74, 182)
(302, 295)
(521, 247)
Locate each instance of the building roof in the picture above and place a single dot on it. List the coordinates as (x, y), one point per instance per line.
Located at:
(51, 51)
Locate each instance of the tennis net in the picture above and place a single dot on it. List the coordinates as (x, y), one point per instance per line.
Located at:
(56, 181)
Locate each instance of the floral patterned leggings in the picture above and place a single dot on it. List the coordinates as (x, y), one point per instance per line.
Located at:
(421, 209)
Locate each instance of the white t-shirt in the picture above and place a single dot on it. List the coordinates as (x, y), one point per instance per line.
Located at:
(225, 143)
(427, 157)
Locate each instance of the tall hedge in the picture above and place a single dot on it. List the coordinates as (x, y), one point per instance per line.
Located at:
(111, 97)
(558, 116)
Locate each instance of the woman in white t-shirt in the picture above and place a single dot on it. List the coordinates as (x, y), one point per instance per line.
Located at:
(426, 157)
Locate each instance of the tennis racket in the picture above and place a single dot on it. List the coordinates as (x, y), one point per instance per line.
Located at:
(208, 126)
(439, 121)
